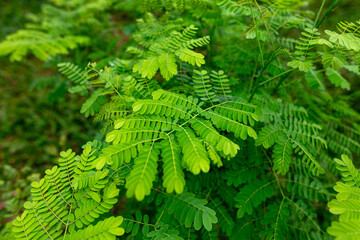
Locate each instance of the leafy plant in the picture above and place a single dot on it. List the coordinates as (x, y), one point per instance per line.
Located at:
(346, 203)
(218, 124)
(56, 30)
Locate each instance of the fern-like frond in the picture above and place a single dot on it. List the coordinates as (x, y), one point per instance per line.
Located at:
(345, 39)
(221, 84)
(67, 200)
(307, 158)
(163, 51)
(154, 122)
(306, 187)
(167, 65)
(347, 202)
(252, 195)
(109, 228)
(205, 130)
(347, 208)
(314, 79)
(345, 230)
(275, 217)
(304, 57)
(190, 56)
(335, 78)
(174, 179)
(203, 86)
(195, 156)
(240, 111)
(73, 72)
(231, 125)
(116, 155)
(128, 135)
(93, 104)
(189, 102)
(282, 155)
(140, 181)
(225, 220)
(112, 110)
(139, 88)
(147, 67)
(167, 109)
(350, 174)
(191, 211)
(234, 6)
(268, 135)
(43, 45)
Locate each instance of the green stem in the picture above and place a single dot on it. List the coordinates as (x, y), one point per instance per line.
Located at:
(318, 14)
(258, 78)
(281, 81)
(279, 75)
(257, 36)
(332, 6)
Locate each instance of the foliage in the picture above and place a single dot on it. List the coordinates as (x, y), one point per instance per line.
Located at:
(347, 203)
(50, 33)
(33, 130)
(217, 122)
(34, 99)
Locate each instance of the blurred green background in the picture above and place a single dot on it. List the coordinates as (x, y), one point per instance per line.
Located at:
(39, 118)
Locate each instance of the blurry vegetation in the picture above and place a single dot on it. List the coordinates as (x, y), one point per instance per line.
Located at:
(38, 116)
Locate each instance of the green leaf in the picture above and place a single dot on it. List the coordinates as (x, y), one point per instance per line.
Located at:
(282, 155)
(147, 67)
(190, 57)
(140, 181)
(350, 174)
(321, 41)
(336, 78)
(174, 178)
(314, 79)
(117, 231)
(333, 61)
(184, 206)
(95, 196)
(168, 67)
(345, 230)
(303, 66)
(111, 191)
(347, 40)
(252, 195)
(109, 229)
(195, 156)
(93, 104)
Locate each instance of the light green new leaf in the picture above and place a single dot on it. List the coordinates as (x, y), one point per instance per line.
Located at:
(147, 67)
(190, 56)
(109, 229)
(302, 66)
(347, 40)
(168, 67)
(345, 230)
(333, 61)
(350, 175)
(174, 178)
(140, 181)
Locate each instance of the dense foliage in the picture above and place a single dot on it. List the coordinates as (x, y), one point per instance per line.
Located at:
(219, 120)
